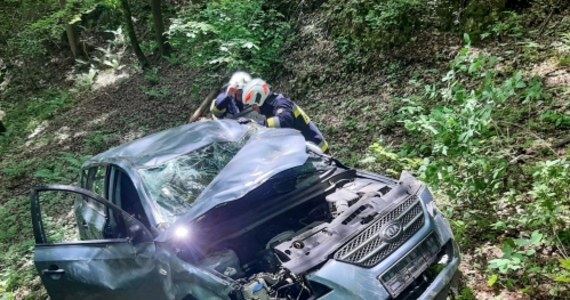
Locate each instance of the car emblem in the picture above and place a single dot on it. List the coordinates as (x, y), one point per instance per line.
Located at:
(391, 231)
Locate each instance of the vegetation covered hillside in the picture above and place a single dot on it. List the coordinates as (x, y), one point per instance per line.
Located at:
(471, 96)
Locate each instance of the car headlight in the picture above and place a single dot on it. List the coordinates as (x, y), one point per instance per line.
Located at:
(182, 233)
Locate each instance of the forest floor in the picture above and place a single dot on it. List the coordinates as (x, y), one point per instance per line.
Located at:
(353, 109)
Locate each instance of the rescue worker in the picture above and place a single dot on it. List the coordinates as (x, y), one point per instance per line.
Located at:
(281, 112)
(228, 102)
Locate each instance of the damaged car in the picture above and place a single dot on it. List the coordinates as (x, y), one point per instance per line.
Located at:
(222, 210)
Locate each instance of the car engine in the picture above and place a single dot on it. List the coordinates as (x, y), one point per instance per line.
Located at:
(269, 261)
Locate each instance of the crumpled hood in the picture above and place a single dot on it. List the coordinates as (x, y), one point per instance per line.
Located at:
(266, 153)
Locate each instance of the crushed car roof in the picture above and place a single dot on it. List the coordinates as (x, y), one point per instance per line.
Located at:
(266, 153)
(163, 146)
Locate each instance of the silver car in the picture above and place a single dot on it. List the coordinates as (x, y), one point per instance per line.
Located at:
(222, 210)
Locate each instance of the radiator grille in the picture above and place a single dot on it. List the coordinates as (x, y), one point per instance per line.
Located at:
(371, 246)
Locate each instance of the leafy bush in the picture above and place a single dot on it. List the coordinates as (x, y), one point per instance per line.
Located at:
(377, 24)
(462, 145)
(365, 29)
(383, 159)
(508, 24)
(549, 206)
(516, 253)
(230, 35)
(456, 124)
(34, 39)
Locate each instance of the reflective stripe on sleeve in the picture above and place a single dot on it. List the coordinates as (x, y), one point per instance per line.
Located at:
(324, 146)
(273, 122)
(215, 111)
(297, 111)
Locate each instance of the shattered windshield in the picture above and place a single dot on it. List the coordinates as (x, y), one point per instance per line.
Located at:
(176, 184)
(222, 169)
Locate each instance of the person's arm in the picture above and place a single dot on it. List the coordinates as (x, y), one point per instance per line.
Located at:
(283, 118)
(220, 104)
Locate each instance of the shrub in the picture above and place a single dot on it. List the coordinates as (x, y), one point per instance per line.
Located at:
(464, 136)
(230, 35)
(377, 24)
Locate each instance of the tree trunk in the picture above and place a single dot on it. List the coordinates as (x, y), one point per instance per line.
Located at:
(163, 45)
(132, 34)
(203, 108)
(71, 34)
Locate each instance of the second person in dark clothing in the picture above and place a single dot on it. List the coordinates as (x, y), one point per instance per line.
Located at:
(228, 103)
(281, 112)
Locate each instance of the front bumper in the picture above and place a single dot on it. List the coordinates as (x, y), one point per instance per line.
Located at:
(348, 281)
(439, 288)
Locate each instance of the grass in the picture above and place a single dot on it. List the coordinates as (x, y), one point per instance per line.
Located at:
(25, 116)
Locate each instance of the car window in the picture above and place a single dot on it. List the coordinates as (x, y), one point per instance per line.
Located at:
(68, 217)
(125, 195)
(96, 180)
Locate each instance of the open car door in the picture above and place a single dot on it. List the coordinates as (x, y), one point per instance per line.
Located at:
(89, 248)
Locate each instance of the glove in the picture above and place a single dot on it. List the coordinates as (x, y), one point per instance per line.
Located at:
(243, 120)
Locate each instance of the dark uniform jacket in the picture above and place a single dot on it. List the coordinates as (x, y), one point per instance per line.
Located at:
(281, 112)
(225, 106)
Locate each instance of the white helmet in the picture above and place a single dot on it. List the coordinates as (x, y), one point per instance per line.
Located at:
(239, 79)
(255, 92)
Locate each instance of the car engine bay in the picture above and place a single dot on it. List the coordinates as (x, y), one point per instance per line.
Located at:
(269, 260)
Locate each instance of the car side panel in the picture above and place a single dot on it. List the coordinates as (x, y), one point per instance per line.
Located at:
(101, 270)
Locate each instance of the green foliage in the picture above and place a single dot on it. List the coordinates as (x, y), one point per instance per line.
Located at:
(559, 120)
(550, 205)
(366, 29)
(382, 159)
(97, 141)
(516, 254)
(84, 81)
(505, 24)
(111, 55)
(376, 24)
(47, 29)
(462, 119)
(152, 75)
(230, 35)
(64, 168)
(32, 40)
(466, 294)
(564, 276)
(16, 169)
(26, 116)
(463, 149)
(16, 244)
